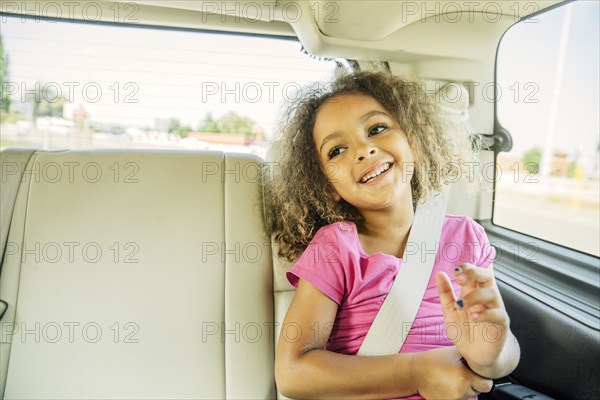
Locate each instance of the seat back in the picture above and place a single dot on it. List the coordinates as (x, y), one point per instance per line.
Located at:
(138, 274)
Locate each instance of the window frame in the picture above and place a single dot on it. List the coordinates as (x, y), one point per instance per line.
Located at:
(563, 278)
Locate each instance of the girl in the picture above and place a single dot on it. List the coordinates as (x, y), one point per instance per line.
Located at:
(357, 158)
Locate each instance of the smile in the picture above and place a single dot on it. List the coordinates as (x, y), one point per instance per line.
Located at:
(371, 175)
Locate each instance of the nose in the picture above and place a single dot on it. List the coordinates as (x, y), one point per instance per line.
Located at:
(365, 151)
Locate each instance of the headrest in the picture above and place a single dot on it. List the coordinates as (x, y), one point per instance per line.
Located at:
(454, 100)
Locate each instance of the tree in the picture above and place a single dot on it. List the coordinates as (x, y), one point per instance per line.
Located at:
(46, 102)
(209, 124)
(4, 98)
(233, 123)
(532, 160)
(572, 169)
(178, 129)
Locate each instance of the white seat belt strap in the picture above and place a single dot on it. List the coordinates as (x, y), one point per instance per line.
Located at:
(399, 309)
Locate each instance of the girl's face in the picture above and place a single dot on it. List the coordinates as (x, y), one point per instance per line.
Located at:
(363, 152)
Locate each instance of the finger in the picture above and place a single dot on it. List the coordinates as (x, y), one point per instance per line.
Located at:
(489, 297)
(477, 309)
(466, 274)
(481, 385)
(446, 292)
(496, 316)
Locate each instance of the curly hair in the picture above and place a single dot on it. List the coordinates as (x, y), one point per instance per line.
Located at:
(300, 198)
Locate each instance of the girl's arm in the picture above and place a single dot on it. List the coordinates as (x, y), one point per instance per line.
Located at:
(303, 369)
(484, 338)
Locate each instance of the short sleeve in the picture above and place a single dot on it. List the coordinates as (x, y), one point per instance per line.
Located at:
(487, 252)
(322, 265)
(464, 241)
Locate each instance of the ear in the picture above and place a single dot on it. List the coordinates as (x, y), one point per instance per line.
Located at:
(336, 196)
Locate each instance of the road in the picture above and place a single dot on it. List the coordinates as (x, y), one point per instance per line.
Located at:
(561, 222)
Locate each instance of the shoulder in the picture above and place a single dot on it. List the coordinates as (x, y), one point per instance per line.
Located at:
(327, 260)
(337, 230)
(337, 237)
(466, 234)
(458, 219)
(455, 224)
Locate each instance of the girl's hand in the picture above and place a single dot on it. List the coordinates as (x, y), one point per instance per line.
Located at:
(477, 323)
(440, 374)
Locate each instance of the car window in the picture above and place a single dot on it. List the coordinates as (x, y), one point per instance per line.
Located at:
(547, 186)
(85, 85)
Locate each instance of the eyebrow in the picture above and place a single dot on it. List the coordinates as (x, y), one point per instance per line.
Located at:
(363, 118)
(328, 138)
(371, 114)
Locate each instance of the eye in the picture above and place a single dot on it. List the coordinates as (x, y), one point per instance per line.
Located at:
(336, 151)
(377, 129)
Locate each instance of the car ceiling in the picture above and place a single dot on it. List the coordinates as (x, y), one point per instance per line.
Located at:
(394, 30)
(402, 31)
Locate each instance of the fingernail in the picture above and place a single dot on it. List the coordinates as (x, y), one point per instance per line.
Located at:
(458, 270)
(475, 316)
(460, 303)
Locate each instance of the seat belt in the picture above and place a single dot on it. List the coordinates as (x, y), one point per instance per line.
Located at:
(12, 166)
(399, 309)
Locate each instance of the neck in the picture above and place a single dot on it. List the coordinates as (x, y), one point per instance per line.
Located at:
(387, 230)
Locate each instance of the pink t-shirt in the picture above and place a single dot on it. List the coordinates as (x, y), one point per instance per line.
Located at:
(335, 263)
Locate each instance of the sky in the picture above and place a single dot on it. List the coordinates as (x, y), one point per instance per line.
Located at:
(528, 57)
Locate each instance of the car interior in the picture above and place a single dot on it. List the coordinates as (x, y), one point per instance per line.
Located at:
(139, 272)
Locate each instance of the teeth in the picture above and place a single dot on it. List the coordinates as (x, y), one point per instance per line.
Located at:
(375, 173)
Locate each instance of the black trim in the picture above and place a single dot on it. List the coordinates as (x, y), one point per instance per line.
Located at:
(535, 14)
(3, 308)
(348, 65)
(497, 142)
(355, 65)
(318, 58)
(509, 391)
(564, 279)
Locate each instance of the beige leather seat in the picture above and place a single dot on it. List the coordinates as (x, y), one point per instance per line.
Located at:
(145, 274)
(138, 274)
